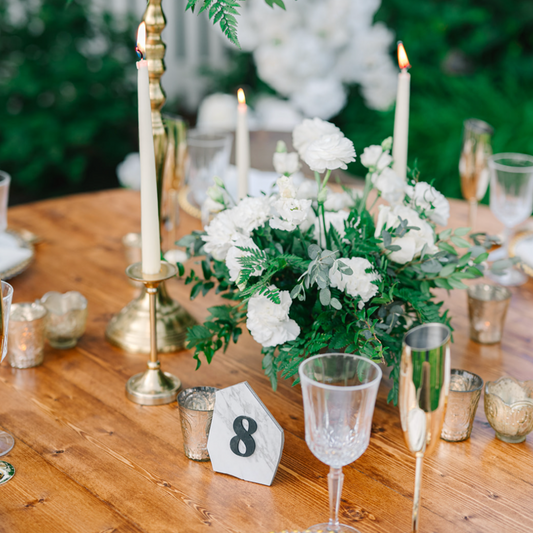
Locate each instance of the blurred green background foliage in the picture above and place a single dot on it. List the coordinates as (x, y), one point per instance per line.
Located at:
(68, 95)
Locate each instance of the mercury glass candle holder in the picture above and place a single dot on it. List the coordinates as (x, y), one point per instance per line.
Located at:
(196, 413)
(66, 319)
(463, 399)
(487, 308)
(509, 408)
(26, 335)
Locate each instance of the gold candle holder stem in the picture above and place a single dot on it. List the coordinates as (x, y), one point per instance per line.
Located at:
(152, 387)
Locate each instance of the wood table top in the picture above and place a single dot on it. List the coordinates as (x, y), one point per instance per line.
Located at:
(89, 460)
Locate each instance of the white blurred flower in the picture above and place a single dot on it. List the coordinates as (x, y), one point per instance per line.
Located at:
(374, 158)
(335, 219)
(235, 253)
(391, 186)
(329, 152)
(250, 213)
(129, 171)
(274, 114)
(320, 97)
(286, 162)
(414, 240)
(209, 208)
(434, 204)
(311, 130)
(359, 283)
(221, 233)
(335, 201)
(218, 112)
(268, 322)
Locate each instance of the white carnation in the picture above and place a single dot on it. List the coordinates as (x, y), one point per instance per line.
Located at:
(235, 253)
(375, 158)
(286, 187)
(391, 186)
(359, 283)
(413, 241)
(268, 322)
(309, 131)
(434, 204)
(290, 213)
(286, 163)
(221, 233)
(329, 152)
(250, 213)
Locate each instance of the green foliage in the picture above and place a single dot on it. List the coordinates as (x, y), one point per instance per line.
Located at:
(68, 103)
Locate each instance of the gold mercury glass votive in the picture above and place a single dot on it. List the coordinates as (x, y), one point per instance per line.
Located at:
(509, 408)
(26, 335)
(487, 308)
(67, 315)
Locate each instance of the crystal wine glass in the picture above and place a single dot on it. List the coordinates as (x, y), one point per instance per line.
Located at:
(6, 440)
(424, 385)
(473, 168)
(511, 200)
(339, 393)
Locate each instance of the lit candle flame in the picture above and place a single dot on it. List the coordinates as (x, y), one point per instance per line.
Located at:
(240, 96)
(403, 60)
(141, 40)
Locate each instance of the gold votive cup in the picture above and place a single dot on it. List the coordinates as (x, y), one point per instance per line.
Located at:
(487, 308)
(463, 399)
(509, 408)
(196, 408)
(26, 335)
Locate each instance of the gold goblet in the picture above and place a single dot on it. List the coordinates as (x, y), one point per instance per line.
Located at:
(424, 385)
(473, 167)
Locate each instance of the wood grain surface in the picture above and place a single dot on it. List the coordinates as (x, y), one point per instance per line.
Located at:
(88, 460)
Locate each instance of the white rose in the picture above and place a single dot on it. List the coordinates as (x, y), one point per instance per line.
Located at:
(286, 163)
(359, 283)
(375, 158)
(221, 233)
(269, 323)
(290, 213)
(309, 131)
(413, 241)
(434, 204)
(250, 213)
(391, 186)
(329, 152)
(235, 253)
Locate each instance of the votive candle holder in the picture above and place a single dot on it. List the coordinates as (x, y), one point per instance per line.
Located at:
(26, 335)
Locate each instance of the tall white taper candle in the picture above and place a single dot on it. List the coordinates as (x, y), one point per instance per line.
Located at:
(151, 245)
(242, 146)
(401, 117)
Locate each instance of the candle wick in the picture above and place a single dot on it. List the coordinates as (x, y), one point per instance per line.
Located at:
(140, 54)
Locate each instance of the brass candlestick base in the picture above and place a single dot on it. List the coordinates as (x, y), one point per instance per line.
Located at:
(152, 387)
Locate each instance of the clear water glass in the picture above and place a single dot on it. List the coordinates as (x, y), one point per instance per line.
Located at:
(6, 440)
(208, 156)
(5, 180)
(339, 394)
(511, 200)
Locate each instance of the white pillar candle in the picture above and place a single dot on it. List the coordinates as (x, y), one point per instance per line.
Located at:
(401, 117)
(151, 245)
(242, 146)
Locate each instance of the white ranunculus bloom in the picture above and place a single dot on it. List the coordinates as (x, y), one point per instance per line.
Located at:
(269, 323)
(320, 97)
(413, 241)
(434, 204)
(359, 283)
(391, 186)
(375, 158)
(311, 130)
(235, 253)
(286, 162)
(329, 152)
(289, 213)
(221, 233)
(250, 213)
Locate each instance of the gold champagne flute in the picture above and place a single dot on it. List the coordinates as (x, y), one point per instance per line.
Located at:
(424, 385)
(473, 167)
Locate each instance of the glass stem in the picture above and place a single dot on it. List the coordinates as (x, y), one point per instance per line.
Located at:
(416, 497)
(507, 233)
(335, 479)
(472, 214)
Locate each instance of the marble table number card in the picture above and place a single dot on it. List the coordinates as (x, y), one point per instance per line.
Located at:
(245, 440)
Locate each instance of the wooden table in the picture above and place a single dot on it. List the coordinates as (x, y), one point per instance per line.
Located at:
(89, 460)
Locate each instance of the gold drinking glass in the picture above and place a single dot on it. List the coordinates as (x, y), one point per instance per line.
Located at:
(473, 167)
(424, 385)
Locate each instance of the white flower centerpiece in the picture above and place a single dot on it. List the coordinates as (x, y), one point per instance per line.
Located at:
(306, 269)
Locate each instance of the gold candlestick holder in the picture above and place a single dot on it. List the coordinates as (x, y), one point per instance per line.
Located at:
(130, 328)
(152, 387)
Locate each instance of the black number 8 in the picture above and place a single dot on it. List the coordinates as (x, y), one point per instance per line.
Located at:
(243, 435)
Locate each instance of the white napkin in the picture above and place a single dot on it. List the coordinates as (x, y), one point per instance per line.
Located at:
(11, 254)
